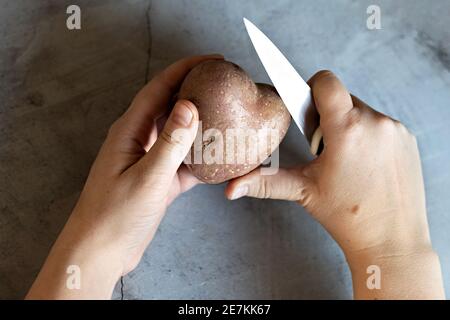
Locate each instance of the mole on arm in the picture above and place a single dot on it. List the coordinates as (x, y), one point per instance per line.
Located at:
(355, 209)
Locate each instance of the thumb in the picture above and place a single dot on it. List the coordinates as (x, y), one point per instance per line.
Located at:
(286, 184)
(332, 100)
(173, 143)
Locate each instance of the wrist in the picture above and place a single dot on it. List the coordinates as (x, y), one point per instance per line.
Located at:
(397, 275)
(90, 240)
(81, 265)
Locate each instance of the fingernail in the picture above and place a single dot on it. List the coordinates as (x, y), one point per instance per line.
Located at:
(182, 115)
(239, 192)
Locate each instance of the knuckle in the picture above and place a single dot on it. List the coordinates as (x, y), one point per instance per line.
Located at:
(263, 190)
(171, 138)
(166, 137)
(302, 193)
(385, 127)
(305, 198)
(386, 123)
(352, 126)
(353, 119)
(391, 127)
(404, 129)
(400, 126)
(175, 144)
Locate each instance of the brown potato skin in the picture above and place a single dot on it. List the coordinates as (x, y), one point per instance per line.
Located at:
(227, 98)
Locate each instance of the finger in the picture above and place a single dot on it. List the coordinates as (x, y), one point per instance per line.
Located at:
(151, 102)
(187, 179)
(331, 98)
(166, 155)
(287, 184)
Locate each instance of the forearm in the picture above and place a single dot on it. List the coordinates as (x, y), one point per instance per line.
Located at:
(79, 266)
(408, 276)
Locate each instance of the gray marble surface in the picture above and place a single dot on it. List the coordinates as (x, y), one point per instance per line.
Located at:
(60, 90)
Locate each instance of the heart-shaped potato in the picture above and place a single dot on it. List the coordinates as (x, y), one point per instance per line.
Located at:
(241, 123)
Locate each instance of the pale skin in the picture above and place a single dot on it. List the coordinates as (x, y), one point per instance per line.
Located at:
(366, 189)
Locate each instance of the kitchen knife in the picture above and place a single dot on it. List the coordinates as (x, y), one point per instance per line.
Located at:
(293, 90)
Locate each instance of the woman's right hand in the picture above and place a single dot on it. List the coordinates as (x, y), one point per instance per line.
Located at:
(366, 189)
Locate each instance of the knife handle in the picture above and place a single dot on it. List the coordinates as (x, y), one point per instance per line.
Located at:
(317, 145)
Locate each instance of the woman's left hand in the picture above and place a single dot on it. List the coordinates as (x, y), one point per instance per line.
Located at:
(137, 174)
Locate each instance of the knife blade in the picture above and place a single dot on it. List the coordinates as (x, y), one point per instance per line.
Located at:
(293, 90)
